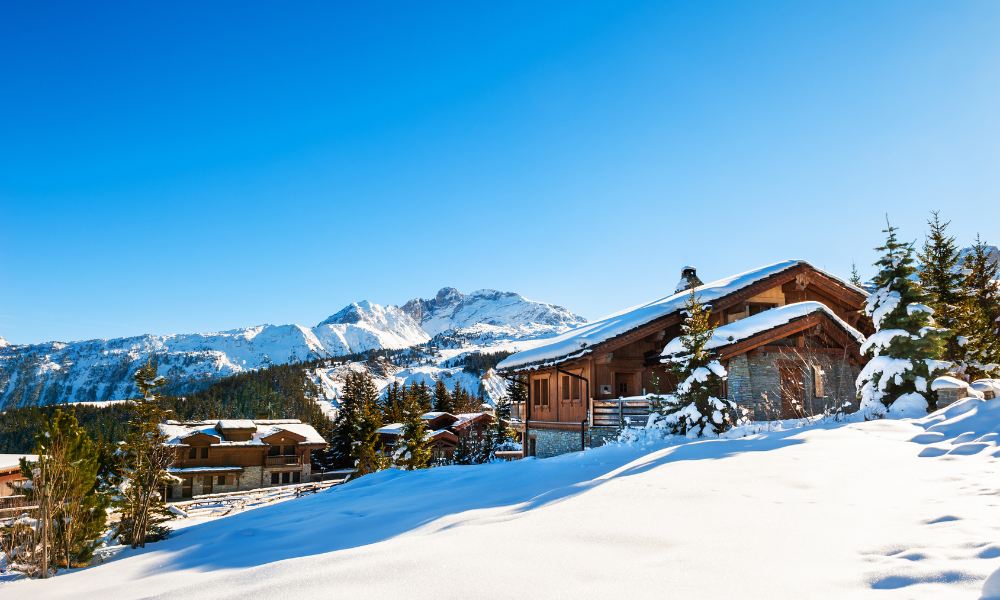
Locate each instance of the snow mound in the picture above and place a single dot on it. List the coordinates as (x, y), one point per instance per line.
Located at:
(969, 426)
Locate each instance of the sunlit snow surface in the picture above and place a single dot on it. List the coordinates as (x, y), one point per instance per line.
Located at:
(883, 509)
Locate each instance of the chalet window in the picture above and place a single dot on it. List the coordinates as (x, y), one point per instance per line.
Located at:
(274, 451)
(296, 477)
(541, 392)
(220, 480)
(286, 477)
(623, 388)
(289, 450)
(275, 478)
(192, 452)
(204, 452)
(565, 387)
(759, 307)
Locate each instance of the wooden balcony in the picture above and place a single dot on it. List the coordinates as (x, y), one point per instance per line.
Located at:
(283, 460)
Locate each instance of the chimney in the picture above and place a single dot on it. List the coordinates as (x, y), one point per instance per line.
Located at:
(689, 279)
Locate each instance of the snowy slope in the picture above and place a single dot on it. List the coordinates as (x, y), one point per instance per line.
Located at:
(101, 370)
(886, 509)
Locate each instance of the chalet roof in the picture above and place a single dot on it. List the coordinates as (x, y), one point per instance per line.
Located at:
(582, 340)
(13, 461)
(177, 431)
(762, 322)
(391, 429)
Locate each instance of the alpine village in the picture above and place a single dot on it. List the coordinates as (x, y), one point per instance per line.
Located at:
(776, 344)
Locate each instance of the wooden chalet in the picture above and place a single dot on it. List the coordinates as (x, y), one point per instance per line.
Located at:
(443, 432)
(238, 454)
(788, 334)
(11, 478)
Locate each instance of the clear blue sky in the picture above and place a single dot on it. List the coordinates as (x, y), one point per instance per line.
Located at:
(196, 166)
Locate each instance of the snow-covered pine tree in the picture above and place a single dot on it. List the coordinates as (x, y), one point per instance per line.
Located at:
(413, 451)
(941, 279)
(443, 400)
(906, 346)
(695, 409)
(146, 458)
(980, 318)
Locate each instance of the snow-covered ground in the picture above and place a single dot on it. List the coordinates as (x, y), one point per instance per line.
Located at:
(884, 509)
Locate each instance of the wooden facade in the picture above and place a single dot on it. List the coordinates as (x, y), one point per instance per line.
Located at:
(562, 393)
(226, 456)
(444, 432)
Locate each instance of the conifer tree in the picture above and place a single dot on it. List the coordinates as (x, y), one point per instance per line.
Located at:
(347, 426)
(422, 396)
(941, 281)
(694, 409)
(906, 347)
(980, 318)
(72, 503)
(145, 459)
(414, 451)
(855, 277)
(367, 451)
(392, 407)
(443, 400)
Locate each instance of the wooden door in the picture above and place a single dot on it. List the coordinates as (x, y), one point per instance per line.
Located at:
(624, 385)
(543, 406)
(187, 487)
(793, 393)
(206, 484)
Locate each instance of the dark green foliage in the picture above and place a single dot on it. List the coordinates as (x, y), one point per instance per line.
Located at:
(145, 459)
(421, 396)
(981, 313)
(443, 401)
(941, 281)
(355, 440)
(478, 363)
(392, 405)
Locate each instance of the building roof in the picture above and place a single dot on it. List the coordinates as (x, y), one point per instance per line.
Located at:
(13, 461)
(762, 322)
(581, 341)
(177, 432)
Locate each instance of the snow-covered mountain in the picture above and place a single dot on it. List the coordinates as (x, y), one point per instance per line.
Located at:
(97, 370)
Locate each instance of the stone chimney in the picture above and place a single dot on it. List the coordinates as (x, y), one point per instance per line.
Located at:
(689, 279)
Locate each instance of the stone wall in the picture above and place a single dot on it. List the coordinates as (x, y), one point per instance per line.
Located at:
(757, 373)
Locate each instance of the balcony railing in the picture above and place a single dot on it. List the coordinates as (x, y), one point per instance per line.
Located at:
(283, 460)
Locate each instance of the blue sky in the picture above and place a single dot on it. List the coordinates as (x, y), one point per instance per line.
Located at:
(182, 167)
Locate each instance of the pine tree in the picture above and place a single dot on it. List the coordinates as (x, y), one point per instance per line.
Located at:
(366, 450)
(906, 347)
(980, 317)
(146, 458)
(941, 281)
(443, 400)
(72, 504)
(392, 406)
(855, 277)
(347, 426)
(414, 451)
(422, 396)
(694, 409)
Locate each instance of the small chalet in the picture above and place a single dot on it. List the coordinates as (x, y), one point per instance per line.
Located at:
(11, 478)
(239, 454)
(787, 333)
(443, 431)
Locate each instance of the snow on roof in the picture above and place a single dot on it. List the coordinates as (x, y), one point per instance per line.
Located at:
(391, 429)
(579, 341)
(202, 469)
(13, 461)
(430, 416)
(236, 424)
(761, 322)
(177, 431)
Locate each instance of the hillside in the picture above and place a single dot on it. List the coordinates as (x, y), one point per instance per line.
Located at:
(100, 370)
(884, 509)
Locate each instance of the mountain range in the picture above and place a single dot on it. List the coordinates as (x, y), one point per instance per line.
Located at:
(101, 370)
